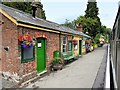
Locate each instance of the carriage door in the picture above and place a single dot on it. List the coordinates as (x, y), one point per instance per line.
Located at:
(41, 54)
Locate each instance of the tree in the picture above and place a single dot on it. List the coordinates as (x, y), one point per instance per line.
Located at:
(70, 24)
(92, 12)
(105, 30)
(24, 6)
(87, 23)
(92, 9)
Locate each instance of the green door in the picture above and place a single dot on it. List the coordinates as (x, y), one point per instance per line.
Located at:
(41, 54)
(80, 47)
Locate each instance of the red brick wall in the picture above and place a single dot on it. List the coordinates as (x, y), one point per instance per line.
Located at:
(0, 43)
(10, 62)
(12, 58)
(52, 44)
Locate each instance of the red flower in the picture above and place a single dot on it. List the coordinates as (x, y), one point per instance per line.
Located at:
(29, 38)
(86, 41)
(19, 38)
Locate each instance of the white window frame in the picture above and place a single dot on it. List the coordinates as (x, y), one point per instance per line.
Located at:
(64, 44)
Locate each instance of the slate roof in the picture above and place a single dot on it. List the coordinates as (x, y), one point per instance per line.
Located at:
(23, 17)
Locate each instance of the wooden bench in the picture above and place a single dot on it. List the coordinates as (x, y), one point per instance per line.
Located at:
(68, 55)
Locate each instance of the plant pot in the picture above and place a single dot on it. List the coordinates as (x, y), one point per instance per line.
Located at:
(57, 67)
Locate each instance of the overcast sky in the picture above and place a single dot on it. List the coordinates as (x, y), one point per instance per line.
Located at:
(59, 10)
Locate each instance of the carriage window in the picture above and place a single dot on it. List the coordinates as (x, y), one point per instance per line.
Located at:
(113, 34)
(118, 31)
(118, 34)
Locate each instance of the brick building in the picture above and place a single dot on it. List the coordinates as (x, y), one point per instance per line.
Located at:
(28, 42)
(1, 22)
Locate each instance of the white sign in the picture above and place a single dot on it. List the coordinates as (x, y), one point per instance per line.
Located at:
(39, 45)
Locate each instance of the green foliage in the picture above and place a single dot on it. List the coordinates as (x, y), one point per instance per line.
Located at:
(97, 37)
(92, 12)
(57, 61)
(87, 23)
(23, 6)
(105, 32)
(69, 24)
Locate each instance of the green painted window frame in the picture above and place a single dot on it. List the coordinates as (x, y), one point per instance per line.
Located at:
(29, 59)
(70, 41)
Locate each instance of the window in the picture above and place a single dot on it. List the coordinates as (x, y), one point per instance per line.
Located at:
(64, 44)
(75, 44)
(118, 31)
(113, 34)
(69, 45)
(27, 54)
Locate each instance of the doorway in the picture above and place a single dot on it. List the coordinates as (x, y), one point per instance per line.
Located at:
(80, 47)
(41, 54)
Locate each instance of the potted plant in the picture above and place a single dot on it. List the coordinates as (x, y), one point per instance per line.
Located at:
(57, 64)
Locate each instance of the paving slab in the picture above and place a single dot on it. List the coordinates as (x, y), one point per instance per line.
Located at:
(78, 74)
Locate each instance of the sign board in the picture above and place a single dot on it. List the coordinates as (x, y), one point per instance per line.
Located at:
(39, 45)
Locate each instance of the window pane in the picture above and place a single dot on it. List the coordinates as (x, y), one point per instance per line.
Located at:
(64, 38)
(28, 52)
(113, 34)
(118, 29)
(64, 46)
(70, 45)
(64, 42)
(75, 46)
(64, 50)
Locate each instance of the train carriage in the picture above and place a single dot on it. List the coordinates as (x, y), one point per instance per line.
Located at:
(115, 53)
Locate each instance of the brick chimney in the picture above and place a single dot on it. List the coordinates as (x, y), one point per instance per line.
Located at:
(79, 27)
(37, 9)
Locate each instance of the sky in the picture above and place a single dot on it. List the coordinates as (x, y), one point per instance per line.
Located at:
(60, 10)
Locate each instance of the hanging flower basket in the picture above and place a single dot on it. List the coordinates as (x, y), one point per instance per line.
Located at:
(86, 41)
(75, 42)
(25, 41)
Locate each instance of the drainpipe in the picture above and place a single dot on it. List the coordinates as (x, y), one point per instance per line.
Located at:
(60, 43)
